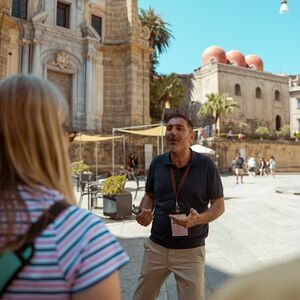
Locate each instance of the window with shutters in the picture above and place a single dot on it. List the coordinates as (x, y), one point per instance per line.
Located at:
(97, 24)
(63, 14)
(19, 9)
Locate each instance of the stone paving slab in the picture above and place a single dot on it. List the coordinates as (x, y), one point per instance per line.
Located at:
(260, 227)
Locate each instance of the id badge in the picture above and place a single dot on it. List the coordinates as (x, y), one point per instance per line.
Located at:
(178, 230)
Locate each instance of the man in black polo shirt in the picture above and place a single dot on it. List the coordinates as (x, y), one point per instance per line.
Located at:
(183, 194)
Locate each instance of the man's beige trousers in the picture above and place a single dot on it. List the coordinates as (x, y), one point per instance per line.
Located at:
(158, 262)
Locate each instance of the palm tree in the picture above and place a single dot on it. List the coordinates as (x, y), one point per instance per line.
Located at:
(165, 90)
(160, 34)
(217, 105)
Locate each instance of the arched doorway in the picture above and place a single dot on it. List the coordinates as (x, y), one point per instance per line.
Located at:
(278, 123)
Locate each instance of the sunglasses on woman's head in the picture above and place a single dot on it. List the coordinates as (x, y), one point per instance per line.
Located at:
(71, 136)
(71, 132)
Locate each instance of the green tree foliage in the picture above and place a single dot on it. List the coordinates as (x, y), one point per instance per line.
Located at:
(165, 89)
(243, 126)
(297, 134)
(160, 34)
(262, 131)
(284, 131)
(217, 105)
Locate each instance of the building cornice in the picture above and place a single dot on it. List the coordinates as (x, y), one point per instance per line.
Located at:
(239, 71)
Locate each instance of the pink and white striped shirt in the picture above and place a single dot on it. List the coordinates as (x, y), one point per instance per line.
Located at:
(72, 254)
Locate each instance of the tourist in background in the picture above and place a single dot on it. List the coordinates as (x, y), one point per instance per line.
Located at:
(251, 164)
(272, 166)
(239, 168)
(263, 167)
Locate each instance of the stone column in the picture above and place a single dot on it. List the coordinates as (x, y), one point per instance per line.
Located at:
(36, 57)
(88, 82)
(25, 56)
(89, 101)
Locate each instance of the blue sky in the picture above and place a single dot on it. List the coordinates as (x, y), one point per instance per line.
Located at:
(250, 26)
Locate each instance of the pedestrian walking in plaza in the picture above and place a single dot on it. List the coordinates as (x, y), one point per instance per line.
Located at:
(272, 166)
(233, 166)
(49, 248)
(183, 194)
(251, 165)
(263, 167)
(239, 168)
(130, 167)
(230, 135)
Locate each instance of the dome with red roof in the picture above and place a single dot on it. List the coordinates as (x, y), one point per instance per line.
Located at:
(214, 54)
(236, 58)
(254, 62)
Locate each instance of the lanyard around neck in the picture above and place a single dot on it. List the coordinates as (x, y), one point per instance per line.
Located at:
(182, 180)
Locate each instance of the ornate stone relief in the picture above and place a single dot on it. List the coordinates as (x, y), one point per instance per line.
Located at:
(61, 61)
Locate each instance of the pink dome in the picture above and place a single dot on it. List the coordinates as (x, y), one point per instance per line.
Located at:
(254, 62)
(236, 58)
(214, 53)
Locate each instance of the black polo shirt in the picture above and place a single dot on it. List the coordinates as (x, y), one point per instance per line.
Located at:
(202, 183)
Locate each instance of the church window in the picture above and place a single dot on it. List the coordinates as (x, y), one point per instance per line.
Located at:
(237, 90)
(97, 24)
(298, 103)
(19, 9)
(277, 95)
(258, 93)
(63, 14)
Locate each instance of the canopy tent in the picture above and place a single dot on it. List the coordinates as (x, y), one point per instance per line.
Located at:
(155, 130)
(97, 138)
(94, 138)
(201, 149)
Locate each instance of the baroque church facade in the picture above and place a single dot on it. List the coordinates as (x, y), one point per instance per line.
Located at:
(95, 51)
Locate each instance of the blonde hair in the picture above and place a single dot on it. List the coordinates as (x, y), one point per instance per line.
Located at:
(33, 151)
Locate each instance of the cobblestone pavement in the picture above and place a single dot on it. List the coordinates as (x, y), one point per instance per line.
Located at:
(260, 227)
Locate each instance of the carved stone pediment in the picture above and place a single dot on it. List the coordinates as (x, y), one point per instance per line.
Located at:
(89, 31)
(61, 61)
(41, 17)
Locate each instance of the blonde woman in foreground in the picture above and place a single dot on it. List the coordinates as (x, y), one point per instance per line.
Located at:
(74, 257)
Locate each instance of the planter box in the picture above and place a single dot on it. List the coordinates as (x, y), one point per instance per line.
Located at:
(118, 207)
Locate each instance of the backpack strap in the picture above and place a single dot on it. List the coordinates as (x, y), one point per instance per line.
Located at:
(44, 220)
(12, 262)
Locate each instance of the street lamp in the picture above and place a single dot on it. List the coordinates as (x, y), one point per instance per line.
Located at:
(283, 7)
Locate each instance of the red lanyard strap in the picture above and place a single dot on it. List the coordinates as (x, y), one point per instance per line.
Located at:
(181, 182)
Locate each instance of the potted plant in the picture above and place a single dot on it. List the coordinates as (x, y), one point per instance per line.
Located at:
(117, 202)
(78, 167)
